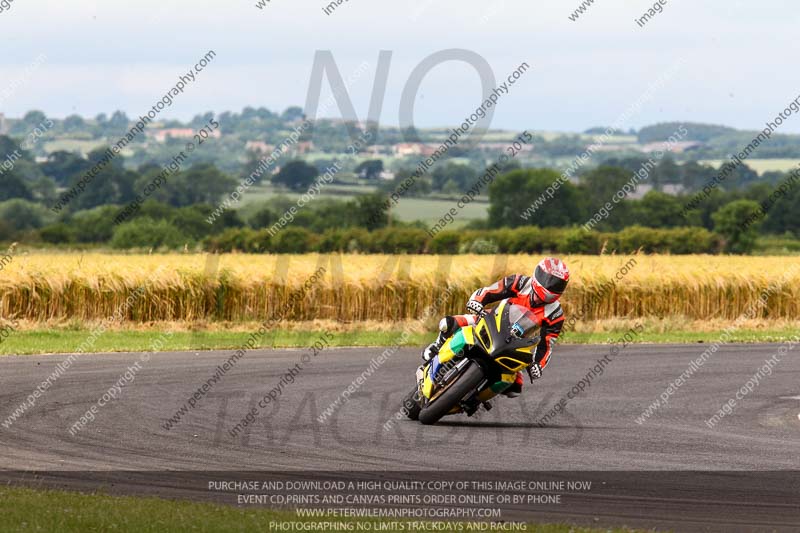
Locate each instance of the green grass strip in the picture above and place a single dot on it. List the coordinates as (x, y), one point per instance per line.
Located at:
(25, 509)
(67, 341)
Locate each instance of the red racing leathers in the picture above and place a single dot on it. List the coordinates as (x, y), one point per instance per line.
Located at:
(518, 289)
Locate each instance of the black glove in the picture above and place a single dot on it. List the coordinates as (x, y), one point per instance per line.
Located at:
(475, 307)
(535, 371)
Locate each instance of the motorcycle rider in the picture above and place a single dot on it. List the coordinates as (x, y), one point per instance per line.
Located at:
(539, 293)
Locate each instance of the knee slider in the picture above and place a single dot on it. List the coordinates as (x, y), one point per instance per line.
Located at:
(447, 324)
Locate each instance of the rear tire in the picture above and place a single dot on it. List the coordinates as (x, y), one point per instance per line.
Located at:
(411, 406)
(465, 383)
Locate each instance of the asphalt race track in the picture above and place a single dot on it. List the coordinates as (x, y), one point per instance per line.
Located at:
(597, 431)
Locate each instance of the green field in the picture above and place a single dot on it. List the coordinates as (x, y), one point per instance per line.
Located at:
(411, 209)
(73, 145)
(408, 209)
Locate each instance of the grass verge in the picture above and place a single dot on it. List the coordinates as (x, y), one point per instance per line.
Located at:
(36, 341)
(25, 509)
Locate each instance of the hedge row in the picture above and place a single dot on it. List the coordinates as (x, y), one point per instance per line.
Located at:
(531, 240)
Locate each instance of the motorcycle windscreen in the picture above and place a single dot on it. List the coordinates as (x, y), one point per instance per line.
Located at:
(522, 321)
(514, 353)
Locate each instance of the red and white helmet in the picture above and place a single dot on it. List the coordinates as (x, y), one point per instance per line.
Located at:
(550, 279)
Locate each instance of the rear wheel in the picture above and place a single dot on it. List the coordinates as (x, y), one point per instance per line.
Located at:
(466, 382)
(410, 404)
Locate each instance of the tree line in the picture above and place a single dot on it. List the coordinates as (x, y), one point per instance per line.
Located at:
(175, 215)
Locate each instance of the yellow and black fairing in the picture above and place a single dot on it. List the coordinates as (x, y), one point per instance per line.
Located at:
(491, 342)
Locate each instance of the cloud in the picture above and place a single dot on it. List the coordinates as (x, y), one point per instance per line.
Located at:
(108, 55)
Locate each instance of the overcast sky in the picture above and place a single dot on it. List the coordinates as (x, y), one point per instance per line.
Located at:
(101, 56)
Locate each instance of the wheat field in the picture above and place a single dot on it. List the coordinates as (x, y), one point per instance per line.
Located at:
(236, 287)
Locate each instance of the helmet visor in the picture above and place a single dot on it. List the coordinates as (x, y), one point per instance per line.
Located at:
(551, 283)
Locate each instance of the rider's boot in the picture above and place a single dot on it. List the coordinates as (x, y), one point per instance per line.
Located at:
(433, 348)
(515, 389)
(471, 406)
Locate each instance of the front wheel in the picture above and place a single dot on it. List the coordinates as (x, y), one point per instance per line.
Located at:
(411, 404)
(467, 381)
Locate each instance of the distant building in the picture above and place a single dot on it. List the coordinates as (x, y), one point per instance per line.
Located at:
(640, 190)
(380, 149)
(675, 148)
(406, 149)
(178, 133)
(259, 146)
(304, 147)
(673, 188)
(3, 125)
(669, 188)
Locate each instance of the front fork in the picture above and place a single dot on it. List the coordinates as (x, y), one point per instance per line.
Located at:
(435, 373)
(431, 375)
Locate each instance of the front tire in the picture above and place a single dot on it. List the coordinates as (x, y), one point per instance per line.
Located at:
(465, 383)
(411, 405)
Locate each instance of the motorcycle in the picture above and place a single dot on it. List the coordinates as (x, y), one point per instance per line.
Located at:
(474, 365)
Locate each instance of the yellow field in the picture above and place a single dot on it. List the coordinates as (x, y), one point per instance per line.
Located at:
(761, 165)
(190, 287)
